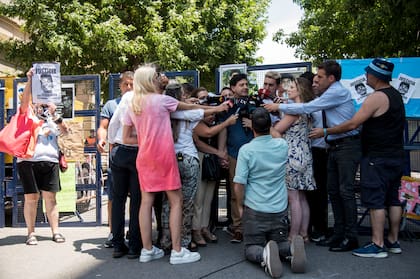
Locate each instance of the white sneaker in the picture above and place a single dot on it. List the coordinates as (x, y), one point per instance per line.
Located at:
(298, 260)
(184, 256)
(271, 260)
(150, 255)
(108, 243)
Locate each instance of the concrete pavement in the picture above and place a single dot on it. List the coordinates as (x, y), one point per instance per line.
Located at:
(83, 256)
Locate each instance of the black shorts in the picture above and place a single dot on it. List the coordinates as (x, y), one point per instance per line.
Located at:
(380, 179)
(39, 176)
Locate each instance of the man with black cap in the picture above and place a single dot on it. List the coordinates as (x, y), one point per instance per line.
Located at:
(259, 184)
(383, 116)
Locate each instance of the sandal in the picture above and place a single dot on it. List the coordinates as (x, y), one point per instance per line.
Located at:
(31, 240)
(305, 239)
(58, 237)
(192, 246)
(198, 238)
(208, 236)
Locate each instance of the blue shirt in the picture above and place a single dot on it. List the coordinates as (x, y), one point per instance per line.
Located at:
(109, 108)
(316, 118)
(337, 103)
(261, 167)
(237, 135)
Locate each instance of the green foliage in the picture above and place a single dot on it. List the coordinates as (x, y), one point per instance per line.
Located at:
(341, 29)
(114, 35)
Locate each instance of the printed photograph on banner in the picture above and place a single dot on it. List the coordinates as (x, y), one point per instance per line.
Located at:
(66, 106)
(359, 89)
(406, 85)
(226, 72)
(46, 83)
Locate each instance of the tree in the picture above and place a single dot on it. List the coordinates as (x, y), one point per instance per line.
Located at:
(112, 35)
(341, 29)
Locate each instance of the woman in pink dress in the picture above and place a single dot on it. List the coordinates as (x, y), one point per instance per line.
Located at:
(156, 162)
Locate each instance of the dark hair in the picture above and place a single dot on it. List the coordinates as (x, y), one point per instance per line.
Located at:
(331, 67)
(224, 88)
(197, 90)
(360, 85)
(308, 75)
(261, 121)
(188, 88)
(174, 90)
(236, 78)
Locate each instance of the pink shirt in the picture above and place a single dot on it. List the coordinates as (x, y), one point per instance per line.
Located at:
(156, 161)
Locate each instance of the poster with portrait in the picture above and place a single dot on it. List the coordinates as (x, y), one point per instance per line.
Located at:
(406, 85)
(66, 107)
(226, 72)
(359, 88)
(46, 83)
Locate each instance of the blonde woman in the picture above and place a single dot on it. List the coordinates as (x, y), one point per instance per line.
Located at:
(156, 162)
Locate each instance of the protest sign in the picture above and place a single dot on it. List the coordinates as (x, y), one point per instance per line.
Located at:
(46, 83)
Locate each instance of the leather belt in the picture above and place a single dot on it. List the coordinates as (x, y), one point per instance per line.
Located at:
(335, 142)
(126, 146)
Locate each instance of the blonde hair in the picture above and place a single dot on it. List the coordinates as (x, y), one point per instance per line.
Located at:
(143, 83)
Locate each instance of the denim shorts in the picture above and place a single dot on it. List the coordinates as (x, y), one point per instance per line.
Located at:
(380, 179)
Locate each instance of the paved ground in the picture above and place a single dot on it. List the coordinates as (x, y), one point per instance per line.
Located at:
(83, 256)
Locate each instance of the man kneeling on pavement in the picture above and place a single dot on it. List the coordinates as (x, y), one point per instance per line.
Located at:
(260, 183)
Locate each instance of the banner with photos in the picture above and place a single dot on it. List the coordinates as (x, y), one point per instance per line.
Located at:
(405, 77)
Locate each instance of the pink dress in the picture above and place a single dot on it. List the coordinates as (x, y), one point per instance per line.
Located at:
(156, 161)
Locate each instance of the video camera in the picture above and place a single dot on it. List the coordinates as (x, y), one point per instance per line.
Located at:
(213, 100)
(246, 105)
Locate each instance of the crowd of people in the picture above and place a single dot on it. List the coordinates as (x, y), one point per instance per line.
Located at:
(284, 158)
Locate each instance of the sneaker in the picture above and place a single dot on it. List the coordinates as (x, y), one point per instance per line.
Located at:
(393, 248)
(271, 260)
(150, 255)
(371, 250)
(298, 258)
(184, 256)
(237, 238)
(317, 237)
(108, 243)
(228, 230)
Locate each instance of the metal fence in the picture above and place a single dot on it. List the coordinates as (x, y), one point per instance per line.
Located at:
(85, 195)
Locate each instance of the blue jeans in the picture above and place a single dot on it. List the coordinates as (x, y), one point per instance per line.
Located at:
(125, 180)
(343, 161)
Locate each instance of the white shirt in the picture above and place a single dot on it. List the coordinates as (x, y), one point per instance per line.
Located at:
(116, 124)
(188, 120)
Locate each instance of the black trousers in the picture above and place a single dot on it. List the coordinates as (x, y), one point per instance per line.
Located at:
(124, 172)
(318, 199)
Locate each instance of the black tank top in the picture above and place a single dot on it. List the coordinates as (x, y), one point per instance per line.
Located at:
(382, 136)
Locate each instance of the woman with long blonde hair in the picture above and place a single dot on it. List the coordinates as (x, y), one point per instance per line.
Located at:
(156, 162)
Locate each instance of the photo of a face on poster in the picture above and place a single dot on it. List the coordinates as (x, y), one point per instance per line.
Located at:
(66, 107)
(406, 85)
(46, 83)
(359, 88)
(226, 72)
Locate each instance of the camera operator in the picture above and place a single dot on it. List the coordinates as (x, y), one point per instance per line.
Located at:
(234, 136)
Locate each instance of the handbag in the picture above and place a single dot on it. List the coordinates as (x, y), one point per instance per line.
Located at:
(62, 161)
(18, 138)
(210, 167)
